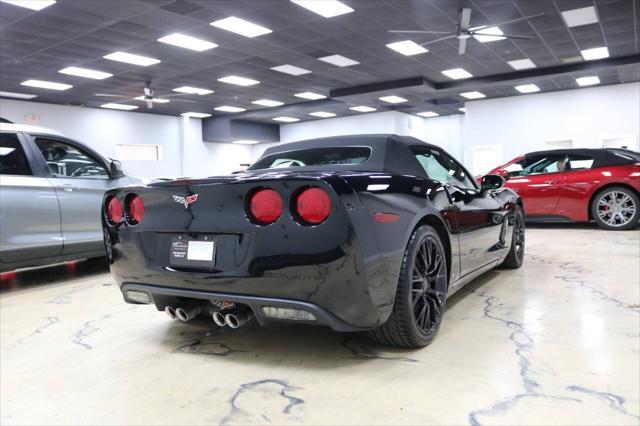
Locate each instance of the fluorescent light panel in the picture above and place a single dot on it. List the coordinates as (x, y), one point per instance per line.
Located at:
(527, 88)
(246, 142)
(362, 108)
(227, 108)
(322, 114)
(187, 42)
(30, 4)
(407, 47)
(267, 102)
(240, 26)
(463, 109)
(588, 81)
(457, 73)
(522, 64)
(310, 95)
(192, 90)
(428, 114)
(123, 107)
(16, 95)
(595, 53)
(290, 69)
(495, 31)
(130, 58)
(154, 100)
(473, 95)
(46, 85)
(326, 8)
(86, 73)
(238, 81)
(582, 16)
(284, 119)
(195, 114)
(393, 99)
(339, 60)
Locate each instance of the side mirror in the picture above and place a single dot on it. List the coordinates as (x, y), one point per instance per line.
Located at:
(490, 182)
(116, 168)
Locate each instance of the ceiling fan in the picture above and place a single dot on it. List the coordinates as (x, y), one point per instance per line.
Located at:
(464, 31)
(148, 96)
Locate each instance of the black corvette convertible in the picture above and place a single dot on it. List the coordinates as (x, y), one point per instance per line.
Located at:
(369, 232)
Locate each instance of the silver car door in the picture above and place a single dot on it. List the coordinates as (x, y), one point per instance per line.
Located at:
(29, 210)
(80, 180)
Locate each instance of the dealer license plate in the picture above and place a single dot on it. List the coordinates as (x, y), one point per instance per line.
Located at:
(188, 251)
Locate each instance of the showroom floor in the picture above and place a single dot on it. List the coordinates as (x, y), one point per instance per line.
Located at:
(556, 342)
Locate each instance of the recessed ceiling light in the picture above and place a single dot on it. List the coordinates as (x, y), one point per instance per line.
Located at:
(595, 53)
(310, 95)
(326, 8)
(463, 109)
(130, 58)
(339, 60)
(472, 95)
(527, 88)
(521, 64)
(240, 26)
(123, 107)
(87, 73)
(193, 90)
(407, 47)
(31, 4)
(428, 114)
(322, 114)
(456, 73)
(582, 16)
(363, 108)
(494, 31)
(268, 102)
(286, 119)
(187, 42)
(46, 85)
(246, 142)
(393, 99)
(290, 69)
(16, 95)
(154, 100)
(227, 108)
(195, 114)
(588, 81)
(239, 81)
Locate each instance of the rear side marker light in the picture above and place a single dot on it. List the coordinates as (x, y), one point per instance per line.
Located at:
(313, 205)
(265, 206)
(288, 313)
(135, 209)
(385, 217)
(113, 210)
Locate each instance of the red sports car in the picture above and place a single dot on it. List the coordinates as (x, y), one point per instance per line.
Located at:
(578, 185)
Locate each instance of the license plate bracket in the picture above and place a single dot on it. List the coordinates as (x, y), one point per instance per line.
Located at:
(188, 251)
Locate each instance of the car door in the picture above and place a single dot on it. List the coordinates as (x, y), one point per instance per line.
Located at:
(539, 181)
(578, 184)
(30, 213)
(478, 216)
(80, 180)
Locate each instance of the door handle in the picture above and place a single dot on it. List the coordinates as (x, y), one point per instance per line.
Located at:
(550, 182)
(67, 187)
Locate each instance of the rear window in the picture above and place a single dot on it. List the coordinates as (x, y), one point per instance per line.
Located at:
(314, 157)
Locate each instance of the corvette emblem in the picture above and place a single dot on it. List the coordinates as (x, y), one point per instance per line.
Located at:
(185, 201)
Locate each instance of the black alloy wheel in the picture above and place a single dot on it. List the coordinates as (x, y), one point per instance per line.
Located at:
(516, 251)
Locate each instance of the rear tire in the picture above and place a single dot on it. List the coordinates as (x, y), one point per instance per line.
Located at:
(421, 295)
(616, 208)
(516, 252)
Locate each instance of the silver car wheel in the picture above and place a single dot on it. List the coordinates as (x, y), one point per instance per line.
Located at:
(616, 208)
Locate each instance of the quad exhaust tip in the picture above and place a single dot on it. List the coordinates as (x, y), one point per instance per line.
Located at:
(187, 313)
(171, 313)
(219, 319)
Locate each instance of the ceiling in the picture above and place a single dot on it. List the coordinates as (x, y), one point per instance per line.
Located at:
(36, 45)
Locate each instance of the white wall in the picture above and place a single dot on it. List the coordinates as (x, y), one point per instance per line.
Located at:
(524, 123)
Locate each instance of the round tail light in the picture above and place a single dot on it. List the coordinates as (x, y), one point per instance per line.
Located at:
(135, 209)
(313, 205)
(265, 206)
(113, 210)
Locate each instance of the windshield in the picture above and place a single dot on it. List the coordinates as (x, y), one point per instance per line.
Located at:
(314, 157)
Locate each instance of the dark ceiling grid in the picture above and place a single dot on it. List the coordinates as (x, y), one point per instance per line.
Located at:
(298, 38)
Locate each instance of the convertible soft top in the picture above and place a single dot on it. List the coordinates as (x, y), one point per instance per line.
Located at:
(389, 153)
(601, 156)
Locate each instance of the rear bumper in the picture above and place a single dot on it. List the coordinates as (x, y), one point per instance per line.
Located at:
(323, 317)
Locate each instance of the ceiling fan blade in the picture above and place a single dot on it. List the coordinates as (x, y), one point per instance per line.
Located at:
(499, 36)
(462, 46)
(511, 21)
(110, 95)
(418, 32)
(438, 39)
(185, 101)
(465, 18)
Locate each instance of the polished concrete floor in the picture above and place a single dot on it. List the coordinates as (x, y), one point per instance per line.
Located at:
(555, 342)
